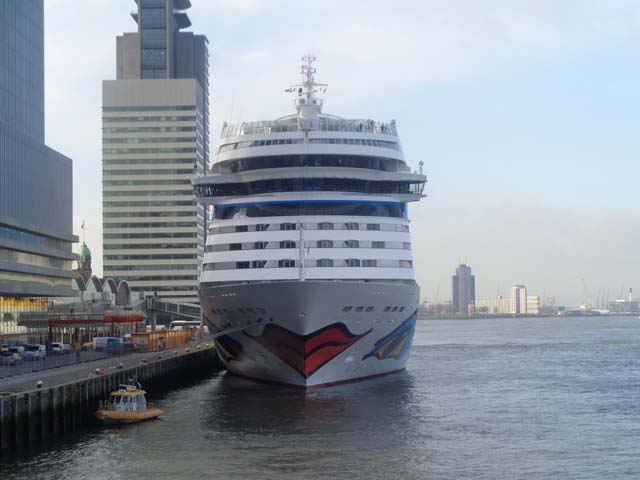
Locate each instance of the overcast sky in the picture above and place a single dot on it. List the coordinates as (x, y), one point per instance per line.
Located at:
(524, 112)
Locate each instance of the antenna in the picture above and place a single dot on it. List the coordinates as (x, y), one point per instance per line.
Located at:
(307, 104)
(420, 166)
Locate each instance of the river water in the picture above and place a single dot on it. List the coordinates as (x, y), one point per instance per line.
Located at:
(481, 399)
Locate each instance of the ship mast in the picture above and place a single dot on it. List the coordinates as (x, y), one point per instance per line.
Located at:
(308, 105)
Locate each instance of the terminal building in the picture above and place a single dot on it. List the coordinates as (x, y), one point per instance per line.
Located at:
(155, 141)
(36, 217)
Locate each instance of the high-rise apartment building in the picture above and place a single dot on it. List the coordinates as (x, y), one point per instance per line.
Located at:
(464, 290)
(155, 140)
(36, 216)
(518, 300)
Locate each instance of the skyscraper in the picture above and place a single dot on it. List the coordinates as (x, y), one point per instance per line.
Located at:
(155, 140)
(36, 214)
(464, 290)
(518, 299)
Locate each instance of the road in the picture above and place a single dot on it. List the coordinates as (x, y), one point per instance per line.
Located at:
(70, 372)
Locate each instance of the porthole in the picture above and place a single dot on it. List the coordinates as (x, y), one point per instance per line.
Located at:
(346, 309)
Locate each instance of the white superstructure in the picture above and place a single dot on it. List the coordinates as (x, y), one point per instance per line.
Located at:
(308, 261)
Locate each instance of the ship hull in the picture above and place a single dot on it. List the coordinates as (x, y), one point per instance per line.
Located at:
(312, 333)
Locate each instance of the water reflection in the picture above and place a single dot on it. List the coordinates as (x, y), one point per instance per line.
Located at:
(292, 431)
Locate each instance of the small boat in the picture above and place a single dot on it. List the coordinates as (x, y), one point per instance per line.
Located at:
(128, 404)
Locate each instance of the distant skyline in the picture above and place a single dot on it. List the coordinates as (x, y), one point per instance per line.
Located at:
(525, 115)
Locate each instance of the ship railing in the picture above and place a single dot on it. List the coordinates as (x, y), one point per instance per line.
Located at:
(322, 125)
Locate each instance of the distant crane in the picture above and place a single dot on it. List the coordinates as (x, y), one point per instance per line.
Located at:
(585, 293)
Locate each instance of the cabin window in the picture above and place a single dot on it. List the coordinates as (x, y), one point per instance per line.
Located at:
(325, 244)
(353, 226)
(353, 262)
(325, 226)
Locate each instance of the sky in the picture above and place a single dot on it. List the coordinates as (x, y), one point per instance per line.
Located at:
(525, 114)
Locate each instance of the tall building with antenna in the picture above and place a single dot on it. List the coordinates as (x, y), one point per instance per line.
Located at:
(155, 140)
(464, 290)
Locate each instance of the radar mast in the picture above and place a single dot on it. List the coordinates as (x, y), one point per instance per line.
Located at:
(308, 105)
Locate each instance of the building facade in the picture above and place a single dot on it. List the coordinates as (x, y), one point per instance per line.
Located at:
(464, 290)
(36, 215)
(518, 303)
(155, 140)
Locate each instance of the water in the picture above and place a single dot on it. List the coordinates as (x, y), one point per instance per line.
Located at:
(481, 399)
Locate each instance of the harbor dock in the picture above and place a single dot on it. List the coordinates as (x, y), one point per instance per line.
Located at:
(46, 404)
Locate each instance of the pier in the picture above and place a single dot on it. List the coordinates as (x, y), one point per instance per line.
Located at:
(67, 398)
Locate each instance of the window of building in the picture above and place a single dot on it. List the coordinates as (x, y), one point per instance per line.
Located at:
(369, 263)
(377, 244)
(286, 263)
(325, 244)
(373, 226)
(287, 244)
(324, 262)
(325, 226)
(287, 226)
(353, 262)
(352, 243)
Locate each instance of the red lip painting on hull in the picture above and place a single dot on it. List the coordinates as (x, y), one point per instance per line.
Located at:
(307, 353)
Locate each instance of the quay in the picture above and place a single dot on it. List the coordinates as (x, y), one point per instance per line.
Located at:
(68, 397)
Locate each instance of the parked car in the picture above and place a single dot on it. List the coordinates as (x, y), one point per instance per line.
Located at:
(34, 352)
(19, 349)
(58, 348)
(10, 358)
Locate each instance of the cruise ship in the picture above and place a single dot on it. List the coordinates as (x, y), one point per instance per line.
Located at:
(308, 273)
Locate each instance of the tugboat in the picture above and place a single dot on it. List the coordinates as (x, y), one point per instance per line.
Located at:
(128, 404)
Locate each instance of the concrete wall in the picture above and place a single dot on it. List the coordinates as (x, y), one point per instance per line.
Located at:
(39, 415)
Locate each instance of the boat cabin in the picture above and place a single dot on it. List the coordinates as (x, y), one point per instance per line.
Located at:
(128, 398)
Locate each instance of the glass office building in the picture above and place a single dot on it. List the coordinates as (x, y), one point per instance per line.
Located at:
(36, 230)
